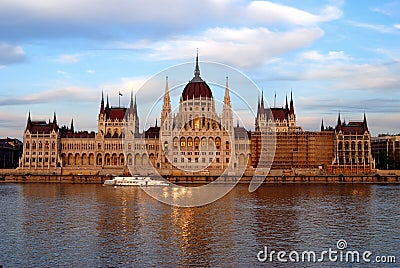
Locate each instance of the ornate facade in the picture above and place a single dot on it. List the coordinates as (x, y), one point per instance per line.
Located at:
(195, 140)
(352, 151)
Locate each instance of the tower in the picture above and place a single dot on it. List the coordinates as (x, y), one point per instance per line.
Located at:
(166, 111)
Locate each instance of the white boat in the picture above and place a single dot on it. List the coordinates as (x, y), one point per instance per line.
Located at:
(135, 181)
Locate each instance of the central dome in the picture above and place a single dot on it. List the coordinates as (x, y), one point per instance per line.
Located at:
(197, 87)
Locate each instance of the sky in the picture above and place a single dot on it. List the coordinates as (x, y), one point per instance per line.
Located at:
(335, 55)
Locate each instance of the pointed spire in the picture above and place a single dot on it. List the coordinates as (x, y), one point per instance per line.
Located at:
(237, 123)
(102, 103)
(72, 125)
(29, 122)
(54, 118)
(365, 123)
(135, 108)
(197, 69)
(197, 77)
(258, 106)
(322, 125)
(107, 105)
(286, 105)
(156, 122)
(166, 108)
(339, 124)
(227, 98)
(262, 100)
(131, 111)
(291, 111)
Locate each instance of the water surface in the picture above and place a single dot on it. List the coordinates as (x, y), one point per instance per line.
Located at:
(91, 225)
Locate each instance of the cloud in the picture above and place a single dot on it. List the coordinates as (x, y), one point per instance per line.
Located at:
(315, 55)
(69, 58)
(10, 54)
(376, 27)
(90, 71)
(269, 12)
(70, 94)
(397, 26)
(243, 47)
(154, 18)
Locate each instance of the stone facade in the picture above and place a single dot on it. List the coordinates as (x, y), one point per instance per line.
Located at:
(195, 140)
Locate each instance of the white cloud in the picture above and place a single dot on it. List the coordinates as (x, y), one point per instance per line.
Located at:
(375, 77)
(397, 26)
(160, 17)
(11, 54)
(376, 27)
(315, 55)
(69, 58)
(269, 12)
(90, 71)
(243, 47)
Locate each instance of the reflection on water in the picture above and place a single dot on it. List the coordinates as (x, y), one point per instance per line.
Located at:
(92, 225)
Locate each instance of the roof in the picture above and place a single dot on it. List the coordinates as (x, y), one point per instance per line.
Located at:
(241, 132)
(40, 127)
(116, 113)
(196, 90)
(279, 113)
(355, 128)
(152, 133)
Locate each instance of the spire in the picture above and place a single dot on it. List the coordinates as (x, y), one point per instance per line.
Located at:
(197, 77)
(29, 122)
(72, 125)
(339, 123)
(322, 125)
(107, 105)
(286, 105)
(197, 69)
(54, 121)
(258, 106)
(135, 108)
(102, 103)
(365, 125)
(156, 122)
(227, 98)
(262, 100)
(237, 123)
(131, 111)
(166, 109)
(291, 111)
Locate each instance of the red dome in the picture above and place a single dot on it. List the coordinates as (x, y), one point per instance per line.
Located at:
(195, 90)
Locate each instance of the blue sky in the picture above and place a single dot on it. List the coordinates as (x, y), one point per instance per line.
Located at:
(58, 56)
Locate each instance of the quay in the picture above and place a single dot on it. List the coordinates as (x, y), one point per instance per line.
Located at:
(11, 176)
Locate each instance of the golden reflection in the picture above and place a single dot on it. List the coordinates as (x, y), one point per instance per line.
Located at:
(183, 219)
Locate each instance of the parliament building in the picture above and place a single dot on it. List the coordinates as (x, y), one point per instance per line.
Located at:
(197, 140)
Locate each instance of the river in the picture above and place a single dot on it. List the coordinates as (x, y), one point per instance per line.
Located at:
(81, 225)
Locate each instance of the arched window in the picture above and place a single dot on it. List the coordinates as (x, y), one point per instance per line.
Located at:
(183, 142)
(27, 145)
(190, 142)
(218, 143)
